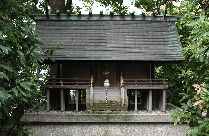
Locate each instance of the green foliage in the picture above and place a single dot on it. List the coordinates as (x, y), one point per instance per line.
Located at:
(190, 79)
(116, 5)
(155, 7)
(19, 61)
(88, 4)
(201, 130)
(149, 5)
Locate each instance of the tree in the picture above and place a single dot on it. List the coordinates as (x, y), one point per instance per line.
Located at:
(155, 7)
(190, 80)
(19, 62)
(116, 5)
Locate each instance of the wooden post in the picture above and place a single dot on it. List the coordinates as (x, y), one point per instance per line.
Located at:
(122, 90)
(150, 71)
(91, 91)
(62, 100)
(164, 101)
(150, 91)
(76, 99)
(48, 99)
(136, 100)
(122, 96)
(150, 101)
(147, 106)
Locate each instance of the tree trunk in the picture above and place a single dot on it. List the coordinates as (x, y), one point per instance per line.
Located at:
(57, 5)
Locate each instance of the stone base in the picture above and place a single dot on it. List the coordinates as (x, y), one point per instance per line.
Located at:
(108, 130)
(102, 124)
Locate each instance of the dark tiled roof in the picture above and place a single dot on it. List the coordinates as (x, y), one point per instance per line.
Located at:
(110, 38)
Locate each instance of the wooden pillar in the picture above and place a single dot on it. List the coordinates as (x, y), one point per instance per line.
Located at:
(62, 100)
(164, 101)
(122, 96)
(150, 91)
(48, 90)
(48, 99)
(150, 71)
(150, 101)
(147, 106)
(91, 92)
(136, 100)
(76, 100)
(122, 93)
(60, 69)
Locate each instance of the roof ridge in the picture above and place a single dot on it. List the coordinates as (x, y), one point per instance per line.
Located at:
(97, 17)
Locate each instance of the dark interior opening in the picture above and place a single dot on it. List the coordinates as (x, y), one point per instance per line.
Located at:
(142, 98)
(73, 96)
(70, 100)
(81, 100)
(156, 99)
(55, 99)
(131, 99)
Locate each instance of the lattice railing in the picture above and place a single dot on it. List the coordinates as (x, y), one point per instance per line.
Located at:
(62, 81)
(145, 82)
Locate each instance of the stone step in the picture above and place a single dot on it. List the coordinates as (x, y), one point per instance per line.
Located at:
(103, 108)
(107, 105)
(111, 105)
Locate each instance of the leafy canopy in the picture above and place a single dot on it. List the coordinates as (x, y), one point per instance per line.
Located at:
(19, 61)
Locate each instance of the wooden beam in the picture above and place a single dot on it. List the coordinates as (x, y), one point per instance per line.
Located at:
(164, 101)
(142, 87)
(69, 86)
(150, 101)
(136, 108)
